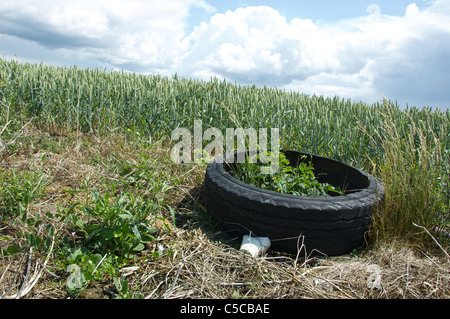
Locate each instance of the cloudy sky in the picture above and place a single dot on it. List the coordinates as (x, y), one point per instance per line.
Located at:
(357, 49)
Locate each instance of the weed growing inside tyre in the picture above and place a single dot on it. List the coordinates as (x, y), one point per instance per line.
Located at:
(299, 180)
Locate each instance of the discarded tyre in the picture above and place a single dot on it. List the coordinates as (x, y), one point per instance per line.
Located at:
(296, 224)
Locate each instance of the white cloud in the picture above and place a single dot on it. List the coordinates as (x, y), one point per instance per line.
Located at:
(147, 34)
(360, 58)
(255, 42)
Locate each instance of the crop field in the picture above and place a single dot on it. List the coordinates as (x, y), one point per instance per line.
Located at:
(92, 206)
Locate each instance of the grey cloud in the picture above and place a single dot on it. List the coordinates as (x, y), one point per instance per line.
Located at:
(29, 28)
(420, 76)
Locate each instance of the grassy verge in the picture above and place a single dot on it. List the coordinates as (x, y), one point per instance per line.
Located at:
(415, 172)
(77, 209)
(79, 240)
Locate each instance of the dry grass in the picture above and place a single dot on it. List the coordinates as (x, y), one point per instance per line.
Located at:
(204, 269)
(198, 261)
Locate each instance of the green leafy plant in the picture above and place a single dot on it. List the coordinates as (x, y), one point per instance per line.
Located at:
(85, 267)
(288, 179)
(121, 228)
(122, 288)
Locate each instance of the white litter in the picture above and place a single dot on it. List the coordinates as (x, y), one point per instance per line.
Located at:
(374, 279)
(255, 246)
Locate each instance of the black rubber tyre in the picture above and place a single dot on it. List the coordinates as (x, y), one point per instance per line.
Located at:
(327, 225)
